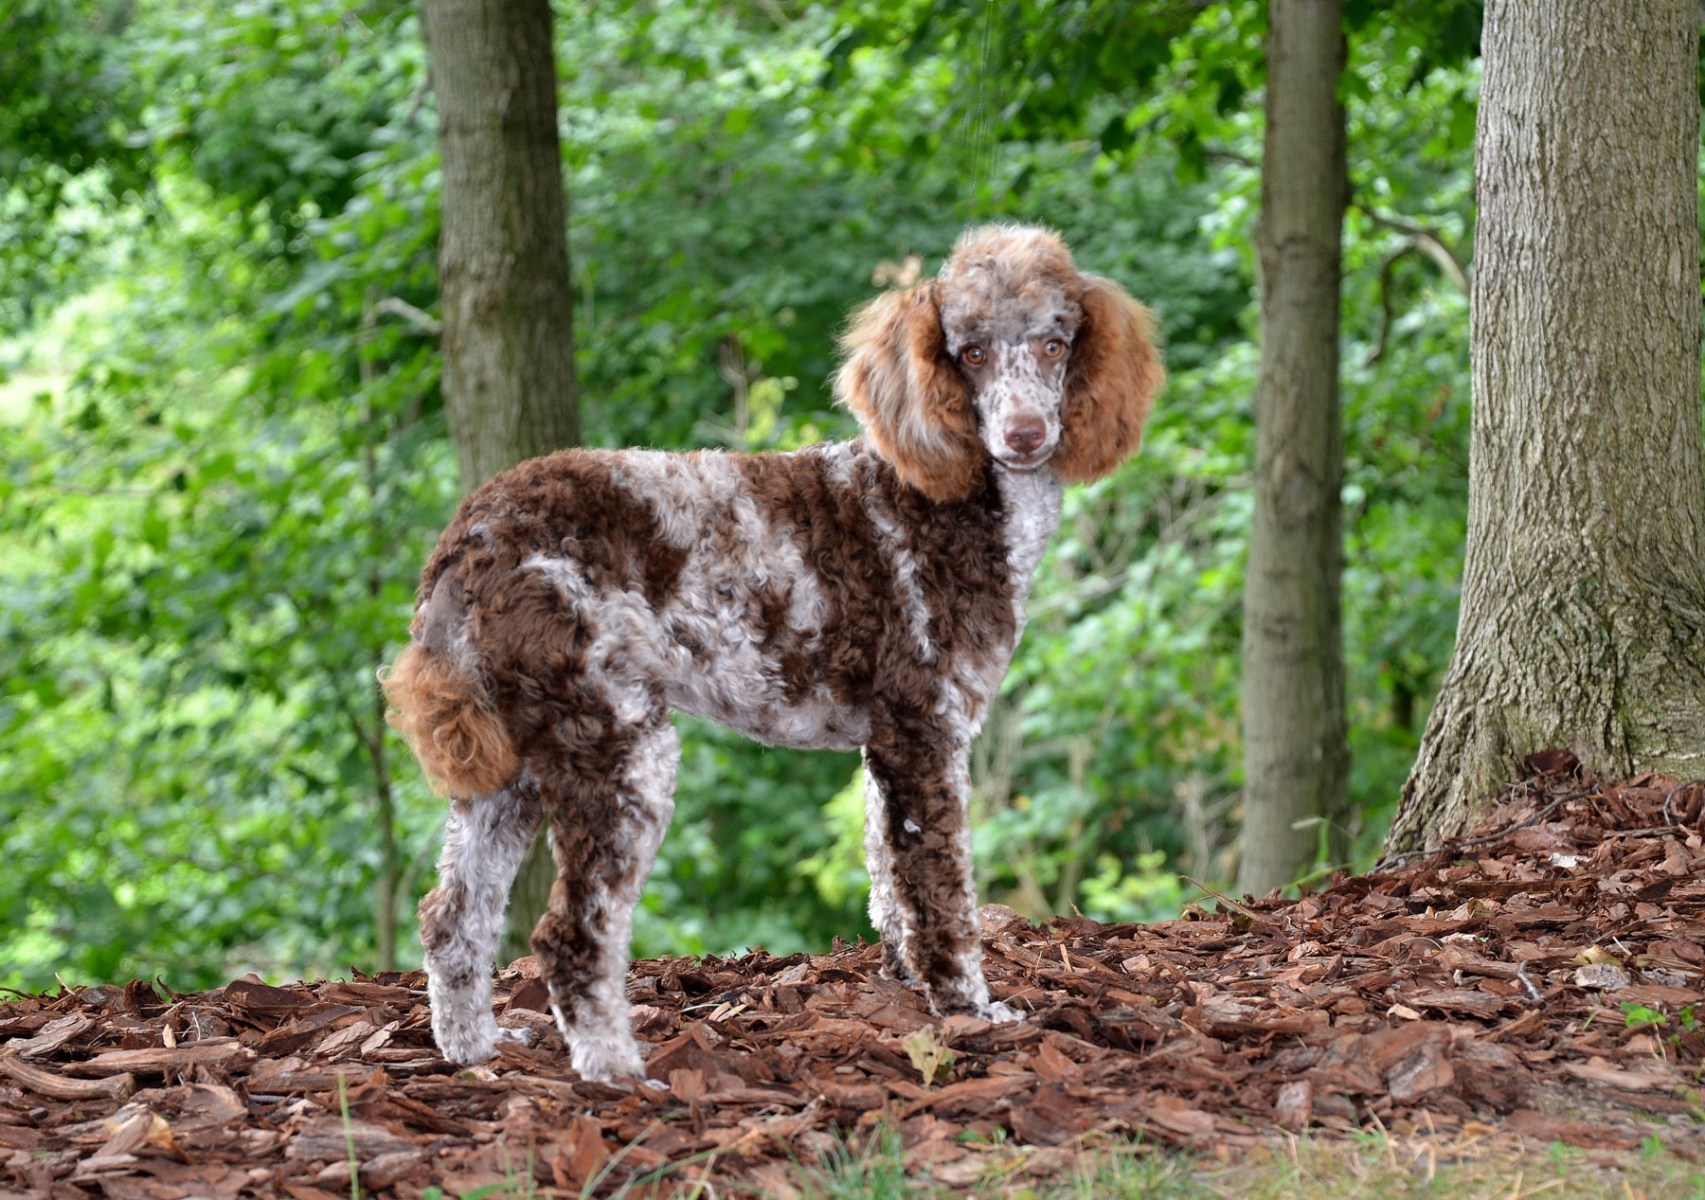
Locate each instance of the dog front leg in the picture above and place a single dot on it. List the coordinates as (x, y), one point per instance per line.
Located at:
(918, 836)
(885, 909)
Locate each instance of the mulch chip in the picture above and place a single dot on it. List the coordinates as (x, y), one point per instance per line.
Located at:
(1538, 977)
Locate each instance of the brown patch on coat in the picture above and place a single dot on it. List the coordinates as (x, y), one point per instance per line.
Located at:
(959, 551)
(1111, 384)
(863, 649)
(566, 505)
(839, 545)
(464, 726)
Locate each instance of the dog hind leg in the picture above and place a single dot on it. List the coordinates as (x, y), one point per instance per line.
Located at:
(461, 920)
(609, 804)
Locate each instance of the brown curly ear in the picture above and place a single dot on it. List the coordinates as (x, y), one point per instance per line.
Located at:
(905, 391)
(1114, 375)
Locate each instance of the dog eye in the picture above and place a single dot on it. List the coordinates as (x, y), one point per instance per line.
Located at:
(974, 355)
(1053, 348)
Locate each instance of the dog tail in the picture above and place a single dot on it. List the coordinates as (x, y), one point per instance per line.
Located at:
(447, 715)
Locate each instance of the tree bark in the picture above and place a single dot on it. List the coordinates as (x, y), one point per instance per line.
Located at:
(1296, 754)
(504, 287)
(503, 244)
(1583, 600)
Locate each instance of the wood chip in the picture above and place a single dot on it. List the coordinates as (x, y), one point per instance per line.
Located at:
(57, 1087)
(161, 1060)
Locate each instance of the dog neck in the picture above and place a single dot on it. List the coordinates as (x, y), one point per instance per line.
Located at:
(1031, 500)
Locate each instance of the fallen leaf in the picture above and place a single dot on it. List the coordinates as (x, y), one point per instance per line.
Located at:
(932, 1057)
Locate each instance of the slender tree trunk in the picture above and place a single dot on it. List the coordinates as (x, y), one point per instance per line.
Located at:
(1296, 754)
(503, 266)
(387, 890)
(1583, 600)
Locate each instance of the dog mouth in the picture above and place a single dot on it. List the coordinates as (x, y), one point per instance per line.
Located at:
(1025, 462)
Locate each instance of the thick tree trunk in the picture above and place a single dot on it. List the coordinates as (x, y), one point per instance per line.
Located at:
(1583, 600)
(1296, 755)
(503, 266)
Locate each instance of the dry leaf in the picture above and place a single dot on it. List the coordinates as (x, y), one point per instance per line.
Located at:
(932, 1057)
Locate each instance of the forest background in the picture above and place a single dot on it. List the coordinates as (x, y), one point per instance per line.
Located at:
(223, 451)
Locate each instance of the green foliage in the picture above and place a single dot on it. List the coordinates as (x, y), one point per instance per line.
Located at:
(1638, 1016)
(224, 453)
(68, 109)
(201, 519)
(874, 1169)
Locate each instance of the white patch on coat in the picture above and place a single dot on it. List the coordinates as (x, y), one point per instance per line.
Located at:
(885, 911)
(1033, 502)
(905, 570)
(681, 489)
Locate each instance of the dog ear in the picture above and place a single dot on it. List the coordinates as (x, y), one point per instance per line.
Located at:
(900, 383)
(1114, 374)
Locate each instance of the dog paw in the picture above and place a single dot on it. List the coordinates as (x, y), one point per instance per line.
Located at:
(476, 1042)
(467, 1048)
(1000, 1013)
(603, 1061)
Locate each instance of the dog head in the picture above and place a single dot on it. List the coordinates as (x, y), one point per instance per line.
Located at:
(1011, 357)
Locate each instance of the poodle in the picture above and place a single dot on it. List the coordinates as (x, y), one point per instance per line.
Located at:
(865, 594)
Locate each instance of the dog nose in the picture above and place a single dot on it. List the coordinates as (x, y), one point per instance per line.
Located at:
(1025, 434)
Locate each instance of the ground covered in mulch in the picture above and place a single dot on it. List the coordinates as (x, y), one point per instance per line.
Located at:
(1544, 977)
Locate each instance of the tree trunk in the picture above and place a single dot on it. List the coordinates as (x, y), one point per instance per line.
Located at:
(503, 266)
(1583, 600)
(1296, 755)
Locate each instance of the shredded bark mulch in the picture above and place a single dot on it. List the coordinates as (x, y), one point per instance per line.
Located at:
(1544, 977)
